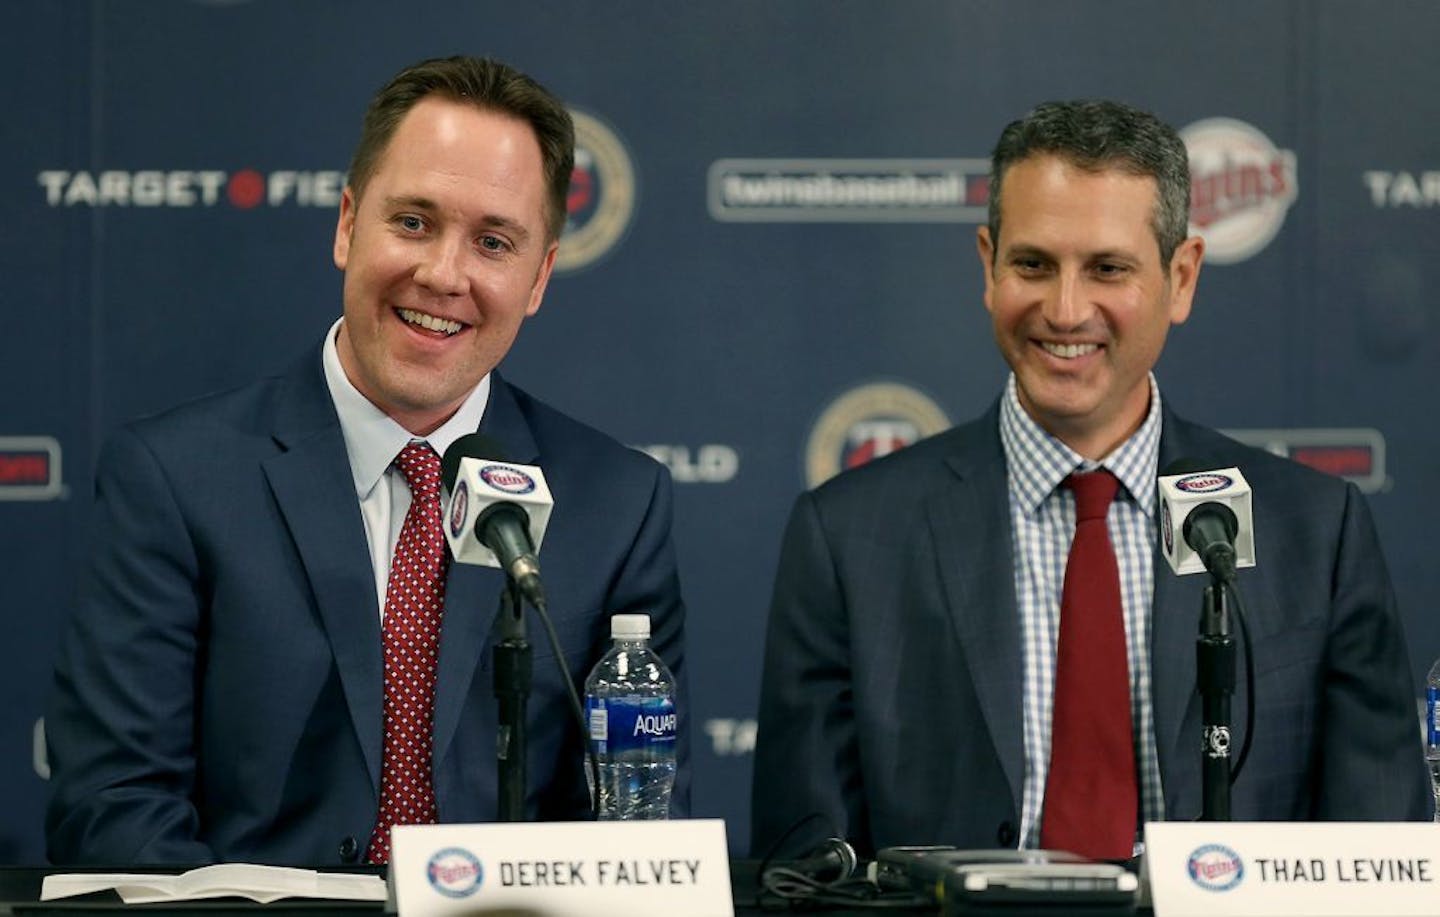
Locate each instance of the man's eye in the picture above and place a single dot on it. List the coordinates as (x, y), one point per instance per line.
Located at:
(494, 244)
(411, 223)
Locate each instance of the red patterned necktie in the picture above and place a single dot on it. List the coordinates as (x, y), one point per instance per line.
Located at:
(1090, 795)
(414, 601)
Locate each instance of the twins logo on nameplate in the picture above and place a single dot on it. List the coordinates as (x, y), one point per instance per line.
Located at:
(1320, 869)
(605, 869)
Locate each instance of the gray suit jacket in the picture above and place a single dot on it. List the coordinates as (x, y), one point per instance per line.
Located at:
(219, 690)
(891, 701)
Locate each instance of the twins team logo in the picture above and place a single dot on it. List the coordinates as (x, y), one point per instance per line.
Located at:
(1216, 868)
(459, 503)
(1241, 187)
(455, 873)
(1204, 483)
(507, 479)
(866, 423)
(602, 195)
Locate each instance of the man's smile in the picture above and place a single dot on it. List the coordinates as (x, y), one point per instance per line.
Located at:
(434, 323)
(1068, 351)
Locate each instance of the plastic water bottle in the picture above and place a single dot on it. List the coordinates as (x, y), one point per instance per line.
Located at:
(630, 705)
(1432, 731)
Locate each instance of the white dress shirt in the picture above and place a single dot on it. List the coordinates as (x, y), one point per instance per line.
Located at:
(372, 441)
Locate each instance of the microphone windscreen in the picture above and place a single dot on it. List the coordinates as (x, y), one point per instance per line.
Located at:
(471, 445)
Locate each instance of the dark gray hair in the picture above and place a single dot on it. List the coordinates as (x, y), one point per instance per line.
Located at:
(1097, 135)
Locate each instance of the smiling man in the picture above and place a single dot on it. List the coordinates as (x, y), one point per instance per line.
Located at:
(975, 642)
(266, 663)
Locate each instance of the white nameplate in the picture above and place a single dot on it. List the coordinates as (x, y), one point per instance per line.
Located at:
(625, 869)
(1324, 869)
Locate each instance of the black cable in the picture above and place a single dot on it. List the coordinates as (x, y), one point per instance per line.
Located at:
(1249, 682)
(789, 889)
(575, 707)
(780, 841)
(783, 888)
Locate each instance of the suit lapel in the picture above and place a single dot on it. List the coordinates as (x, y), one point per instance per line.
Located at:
(313, 487)
(472, 593)
(969, 518)
(1174, 623)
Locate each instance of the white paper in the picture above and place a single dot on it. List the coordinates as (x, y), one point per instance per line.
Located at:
(243, 880)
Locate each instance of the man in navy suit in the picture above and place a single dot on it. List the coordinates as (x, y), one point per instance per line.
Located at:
(910, 663)
(219, 692)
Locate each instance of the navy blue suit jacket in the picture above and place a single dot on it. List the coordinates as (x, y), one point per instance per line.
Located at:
(218, 693)
(892, 693)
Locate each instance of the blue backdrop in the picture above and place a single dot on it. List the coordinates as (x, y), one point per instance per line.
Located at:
(769, 271)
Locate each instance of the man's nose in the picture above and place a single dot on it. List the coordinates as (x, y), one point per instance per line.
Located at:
(442, 267)
(1067, 306)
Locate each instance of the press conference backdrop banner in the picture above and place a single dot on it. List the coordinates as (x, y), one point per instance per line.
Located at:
(768, 272)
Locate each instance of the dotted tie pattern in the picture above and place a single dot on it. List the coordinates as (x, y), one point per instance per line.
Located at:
(414, 602)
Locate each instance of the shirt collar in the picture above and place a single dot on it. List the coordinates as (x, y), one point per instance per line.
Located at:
(372, 437)
(1037, 462)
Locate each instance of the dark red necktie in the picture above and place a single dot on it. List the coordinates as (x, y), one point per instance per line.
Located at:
(414, 601)
(1090, 794)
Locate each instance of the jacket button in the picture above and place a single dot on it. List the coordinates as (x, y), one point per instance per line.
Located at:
(1005, 834)
(349, 850)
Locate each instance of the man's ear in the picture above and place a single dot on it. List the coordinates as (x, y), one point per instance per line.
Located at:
(1184, 276)
(542, 279)
(985, 248)
(344, 228)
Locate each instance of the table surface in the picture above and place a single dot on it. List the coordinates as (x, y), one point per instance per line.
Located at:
(20, 894)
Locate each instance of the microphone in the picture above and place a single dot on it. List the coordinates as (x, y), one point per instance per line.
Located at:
(1210, 511)
(1210, 531)
(498, 511)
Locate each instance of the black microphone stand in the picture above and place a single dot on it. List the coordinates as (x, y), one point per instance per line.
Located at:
(512, 690)
(1215, 680)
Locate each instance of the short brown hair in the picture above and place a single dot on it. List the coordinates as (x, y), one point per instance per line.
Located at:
(486, 84)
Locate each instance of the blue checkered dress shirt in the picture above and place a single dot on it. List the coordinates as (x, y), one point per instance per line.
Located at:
(1042, 515)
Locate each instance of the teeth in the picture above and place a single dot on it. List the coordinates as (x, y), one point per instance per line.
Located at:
(1069, 351)
(429, 321)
